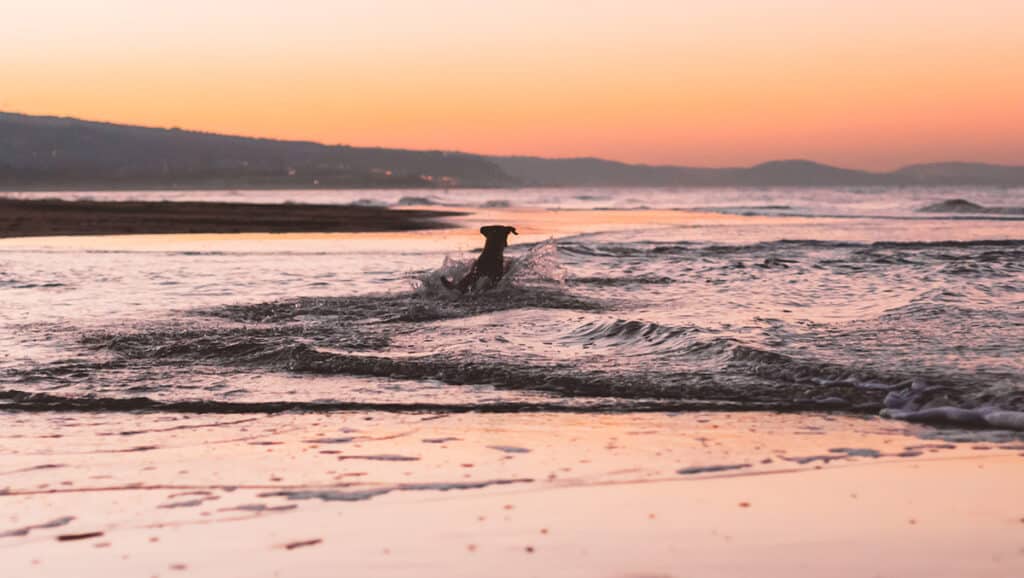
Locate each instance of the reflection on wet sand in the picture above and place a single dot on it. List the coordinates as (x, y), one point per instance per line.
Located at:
(466, 495)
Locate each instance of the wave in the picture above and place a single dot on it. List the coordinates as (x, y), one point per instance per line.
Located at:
(982, 259)
(692, 365)
(496, 204)
(643, 248)
(8, 281)
(721, 373)
(637, 337)
(965, 206)
(632, 281)
(676, 368)
(24, 401)
(411, 201)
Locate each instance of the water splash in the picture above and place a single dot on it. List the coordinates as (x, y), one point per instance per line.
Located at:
(539, 267)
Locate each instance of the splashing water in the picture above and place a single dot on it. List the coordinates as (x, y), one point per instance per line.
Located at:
(538, 267)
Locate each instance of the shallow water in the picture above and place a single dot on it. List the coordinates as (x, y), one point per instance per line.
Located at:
(850, 300)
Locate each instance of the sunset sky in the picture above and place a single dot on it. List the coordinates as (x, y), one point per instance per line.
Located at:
(861, 83)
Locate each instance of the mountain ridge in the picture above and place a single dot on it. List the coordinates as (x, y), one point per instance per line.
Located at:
(48, 152)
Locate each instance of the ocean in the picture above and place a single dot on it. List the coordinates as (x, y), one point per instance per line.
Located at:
(616, 300)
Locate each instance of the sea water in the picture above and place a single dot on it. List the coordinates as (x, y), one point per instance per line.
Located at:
(850, 300)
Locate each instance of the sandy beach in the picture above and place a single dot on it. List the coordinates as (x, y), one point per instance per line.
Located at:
(421, 494)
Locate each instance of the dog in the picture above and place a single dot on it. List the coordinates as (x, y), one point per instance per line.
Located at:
(490, 264)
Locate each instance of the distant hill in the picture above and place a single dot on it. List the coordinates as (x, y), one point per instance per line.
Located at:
(807, 173)
(590, 172)
(49, 152)
(41, 152)
(597, 172)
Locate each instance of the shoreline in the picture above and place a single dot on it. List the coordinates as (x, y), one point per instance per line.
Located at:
(57, 218)
(375, 493)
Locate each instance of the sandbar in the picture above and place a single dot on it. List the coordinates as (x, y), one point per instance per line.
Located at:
(55, 217)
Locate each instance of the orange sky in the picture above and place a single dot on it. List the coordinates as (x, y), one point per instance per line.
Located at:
(861, 83)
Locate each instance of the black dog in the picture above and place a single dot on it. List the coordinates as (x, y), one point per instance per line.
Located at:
(490, 264)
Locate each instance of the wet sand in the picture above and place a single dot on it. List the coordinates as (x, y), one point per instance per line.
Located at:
(370, 494)
(52, 217)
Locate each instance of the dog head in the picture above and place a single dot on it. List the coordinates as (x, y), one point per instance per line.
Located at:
(497, 234)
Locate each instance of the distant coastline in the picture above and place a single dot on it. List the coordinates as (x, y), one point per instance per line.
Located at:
(42, 153)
